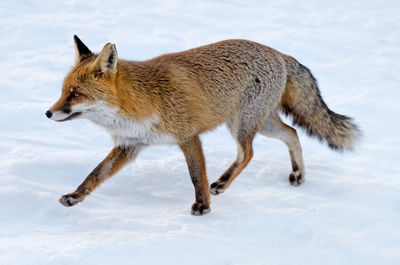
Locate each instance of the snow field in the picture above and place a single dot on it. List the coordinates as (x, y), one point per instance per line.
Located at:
(347, 211)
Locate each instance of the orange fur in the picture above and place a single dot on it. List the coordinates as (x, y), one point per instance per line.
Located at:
(175, 97)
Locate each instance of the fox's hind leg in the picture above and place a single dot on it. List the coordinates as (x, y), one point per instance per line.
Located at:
(255, 104)
(273, 127)
(244, 139)
(243, 125)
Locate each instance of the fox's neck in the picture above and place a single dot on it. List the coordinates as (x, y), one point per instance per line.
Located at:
(135, 93)
(140, 75)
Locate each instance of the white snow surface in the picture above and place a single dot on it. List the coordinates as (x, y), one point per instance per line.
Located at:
(347, 211)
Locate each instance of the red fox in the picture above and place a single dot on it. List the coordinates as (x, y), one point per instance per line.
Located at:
(173, 98)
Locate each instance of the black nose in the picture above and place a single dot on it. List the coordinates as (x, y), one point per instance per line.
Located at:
(48, 114)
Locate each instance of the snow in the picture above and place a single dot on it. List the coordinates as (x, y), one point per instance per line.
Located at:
(347, 211)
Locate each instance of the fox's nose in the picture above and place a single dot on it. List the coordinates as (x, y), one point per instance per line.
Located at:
(48, 114)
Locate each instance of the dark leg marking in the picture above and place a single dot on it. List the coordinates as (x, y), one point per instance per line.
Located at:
(296, 178)
(295, 167)
(115, 160)
(218, 186)
(228, 174)
(197, 169)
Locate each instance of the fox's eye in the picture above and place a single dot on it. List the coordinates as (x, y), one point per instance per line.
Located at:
(75, 95)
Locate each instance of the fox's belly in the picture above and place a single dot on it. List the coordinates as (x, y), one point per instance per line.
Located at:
(132, 132)
(131, 138)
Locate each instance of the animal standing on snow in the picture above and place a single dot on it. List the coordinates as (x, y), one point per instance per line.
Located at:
(173, 98)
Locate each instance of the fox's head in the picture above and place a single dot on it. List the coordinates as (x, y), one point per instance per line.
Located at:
(89, 82)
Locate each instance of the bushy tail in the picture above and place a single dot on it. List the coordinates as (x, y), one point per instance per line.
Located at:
(302, 100)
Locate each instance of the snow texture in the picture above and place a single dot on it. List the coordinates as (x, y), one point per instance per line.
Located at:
(347, 211)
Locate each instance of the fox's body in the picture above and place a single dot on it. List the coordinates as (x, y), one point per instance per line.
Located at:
(173, 98)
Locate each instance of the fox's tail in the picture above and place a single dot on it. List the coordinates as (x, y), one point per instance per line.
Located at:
(302, 100)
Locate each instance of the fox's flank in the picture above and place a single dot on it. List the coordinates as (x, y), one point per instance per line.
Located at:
(173, 98)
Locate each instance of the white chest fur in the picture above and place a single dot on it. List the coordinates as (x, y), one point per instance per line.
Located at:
(126, 131)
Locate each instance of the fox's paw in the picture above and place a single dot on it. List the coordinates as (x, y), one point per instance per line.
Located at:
(296, 178)
(217, 188)
(199, 208)
(71, 199)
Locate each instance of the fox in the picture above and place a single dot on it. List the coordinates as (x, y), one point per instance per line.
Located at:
(175, 97)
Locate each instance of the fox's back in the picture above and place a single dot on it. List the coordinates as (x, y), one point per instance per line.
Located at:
(222, 73)
(231, 63)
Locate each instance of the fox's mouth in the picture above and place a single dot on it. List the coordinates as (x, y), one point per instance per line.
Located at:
(70, 117)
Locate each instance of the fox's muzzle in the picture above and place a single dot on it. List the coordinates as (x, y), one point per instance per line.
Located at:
(61, 111)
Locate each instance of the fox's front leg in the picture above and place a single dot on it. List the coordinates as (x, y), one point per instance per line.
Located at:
(197, 170)
(114, 161)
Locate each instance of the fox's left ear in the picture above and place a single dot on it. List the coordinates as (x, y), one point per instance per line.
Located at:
(106, 62)
(81, 50)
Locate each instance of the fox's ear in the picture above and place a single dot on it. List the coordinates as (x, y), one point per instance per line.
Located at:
(106, 62)
(82, 52)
